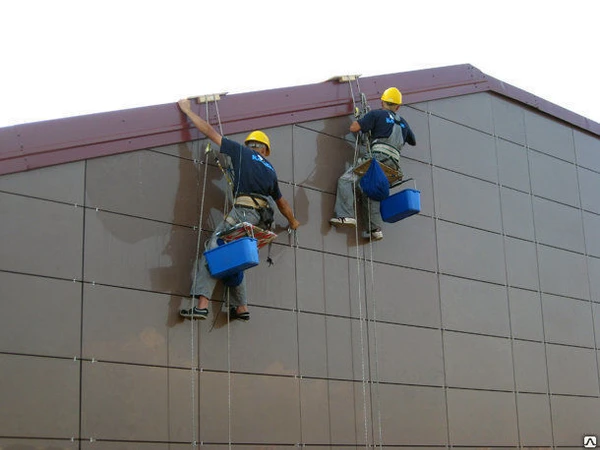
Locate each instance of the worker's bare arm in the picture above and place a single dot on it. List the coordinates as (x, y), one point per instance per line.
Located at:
(204, 127)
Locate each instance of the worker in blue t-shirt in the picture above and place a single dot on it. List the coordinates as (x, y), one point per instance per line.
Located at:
(255, 181)
(388, 132)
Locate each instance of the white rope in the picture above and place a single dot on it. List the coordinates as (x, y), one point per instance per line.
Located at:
(191, 303)
(372, 290)
(194, 284)
(229, 193)
(360, 309)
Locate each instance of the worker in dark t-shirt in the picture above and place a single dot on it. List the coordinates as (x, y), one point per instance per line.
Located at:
(388, 132)
(255, 181)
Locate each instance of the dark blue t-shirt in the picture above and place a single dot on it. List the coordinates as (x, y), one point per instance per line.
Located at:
(380, 123)
(252, 173)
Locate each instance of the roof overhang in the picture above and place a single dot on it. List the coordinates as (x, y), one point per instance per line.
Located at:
(34, 145)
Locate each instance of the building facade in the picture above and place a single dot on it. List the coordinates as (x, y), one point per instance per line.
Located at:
(475, 323)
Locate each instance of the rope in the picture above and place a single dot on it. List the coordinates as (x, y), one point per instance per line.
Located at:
(372, 290)
(365, 108)
(194, 442)
(228, 195)
(191, 303)
(360, 309)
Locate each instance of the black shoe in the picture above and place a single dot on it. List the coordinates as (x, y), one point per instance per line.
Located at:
(233, 314)
(194, 313)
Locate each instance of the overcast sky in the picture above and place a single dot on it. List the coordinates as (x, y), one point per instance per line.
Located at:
(66, 58)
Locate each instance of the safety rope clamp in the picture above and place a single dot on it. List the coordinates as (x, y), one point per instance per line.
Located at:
(344, 78)
(208, 98)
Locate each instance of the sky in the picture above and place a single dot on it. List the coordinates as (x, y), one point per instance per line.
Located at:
(64, 58)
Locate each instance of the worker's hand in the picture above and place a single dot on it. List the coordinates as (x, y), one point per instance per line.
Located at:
(185, 105)
(294, 224)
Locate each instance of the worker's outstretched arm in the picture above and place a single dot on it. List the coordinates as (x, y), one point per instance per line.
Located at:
(284, 208)
(204, 127)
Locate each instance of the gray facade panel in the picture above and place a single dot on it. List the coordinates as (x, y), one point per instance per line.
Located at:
(318, 158)
(403, 295)
(40, 316)
(62, 183)
(530, 366)
(313, 210)
(482, 418)
(137, 253)
(422, 419)
(263, 409)
(418, 252)
(535, 425)
(481, 362)
(467, 200)
(521, 263)
(471, 253)
(152, 185)
(571, 416)
(509, 121)
(278, 347)
(40, 397)
(587, 150)
(563, 379)
(145, 327)
(40, 237)
(593, 266)
(474, 306)
(517, 214)
(473, 110)
(259, 286)
(513, 167)
(553, 179)
(462, 149)
(568, 321)
(526, 314)
(589, 183)
(558, 225)
(549, 136)
(563, 273)
(323, 282)
(408, 355)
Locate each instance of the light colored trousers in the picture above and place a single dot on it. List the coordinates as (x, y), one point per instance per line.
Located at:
(344, 200)
(202, 281)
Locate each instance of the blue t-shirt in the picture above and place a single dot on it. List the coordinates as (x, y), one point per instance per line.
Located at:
(252, 173)
(380, 123)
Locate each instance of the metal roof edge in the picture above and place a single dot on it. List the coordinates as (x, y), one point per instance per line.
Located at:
(39, 144)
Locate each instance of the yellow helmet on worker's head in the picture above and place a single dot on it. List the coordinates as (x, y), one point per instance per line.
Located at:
(259, 136)
(392, 95)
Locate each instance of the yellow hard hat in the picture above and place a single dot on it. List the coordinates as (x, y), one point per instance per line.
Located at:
(261, 137)
(392, 95)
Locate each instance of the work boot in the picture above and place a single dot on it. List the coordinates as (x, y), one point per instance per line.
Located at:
(194, 313)
(343, 222)
(375, 235)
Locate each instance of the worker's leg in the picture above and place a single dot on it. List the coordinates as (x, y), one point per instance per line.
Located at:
(203, 283)
(371, 208)
(344, 199)
(238, 298)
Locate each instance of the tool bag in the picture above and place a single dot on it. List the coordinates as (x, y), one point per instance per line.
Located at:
(374, 182)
